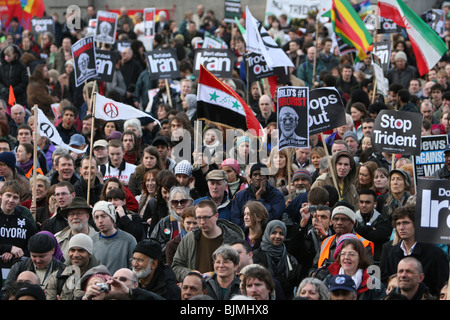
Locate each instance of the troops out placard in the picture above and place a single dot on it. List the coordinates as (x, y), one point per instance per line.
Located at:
(292, 117)
(83, 54)
(326, 110)
(105, 30)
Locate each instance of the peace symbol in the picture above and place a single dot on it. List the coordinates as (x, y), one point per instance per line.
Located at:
(47, 130)
(111, 110)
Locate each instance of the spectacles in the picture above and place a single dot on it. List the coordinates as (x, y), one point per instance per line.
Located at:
(178, 202)
(62, 194)
(349, 254)
(205, 218)
(138, 260)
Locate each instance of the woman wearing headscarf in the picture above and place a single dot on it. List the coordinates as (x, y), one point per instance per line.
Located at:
(273, 254)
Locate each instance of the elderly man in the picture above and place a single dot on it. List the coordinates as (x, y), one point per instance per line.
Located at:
(154, 275)
(402, 73)
(217, 181)
(77, 215)
(18, 118)
(131, 69)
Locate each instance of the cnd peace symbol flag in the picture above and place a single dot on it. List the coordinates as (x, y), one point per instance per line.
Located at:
(110, 110)
(218, 103)
(47, 129)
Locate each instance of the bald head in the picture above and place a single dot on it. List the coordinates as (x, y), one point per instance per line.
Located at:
(265, 105)
(28, 276)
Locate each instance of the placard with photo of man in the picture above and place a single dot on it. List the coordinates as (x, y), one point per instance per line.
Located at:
(106, 27)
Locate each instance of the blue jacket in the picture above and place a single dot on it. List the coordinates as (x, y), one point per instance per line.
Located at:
(223, 208)
(272, 199)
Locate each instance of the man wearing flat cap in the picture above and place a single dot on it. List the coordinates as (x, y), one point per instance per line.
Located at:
(63, 283)
(154, 275)
(217, 181)
(343, 219)
(41, 261)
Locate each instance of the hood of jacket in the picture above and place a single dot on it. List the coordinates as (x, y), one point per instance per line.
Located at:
(352, 174)
(16, 50)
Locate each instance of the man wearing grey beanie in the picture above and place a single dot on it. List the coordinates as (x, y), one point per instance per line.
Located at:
(113, 247)
(62, 283)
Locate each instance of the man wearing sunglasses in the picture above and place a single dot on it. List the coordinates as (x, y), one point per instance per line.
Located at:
(196, 248)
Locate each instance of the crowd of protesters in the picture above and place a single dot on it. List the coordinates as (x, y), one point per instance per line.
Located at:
(227, 222)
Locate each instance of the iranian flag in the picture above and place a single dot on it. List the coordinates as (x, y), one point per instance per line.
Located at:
(219, 104)
(428, 47)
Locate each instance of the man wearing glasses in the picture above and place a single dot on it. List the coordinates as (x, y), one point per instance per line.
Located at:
(343, 219)
(64, 194)
(196, 248)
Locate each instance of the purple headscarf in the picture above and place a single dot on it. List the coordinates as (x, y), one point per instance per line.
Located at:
(58, 253)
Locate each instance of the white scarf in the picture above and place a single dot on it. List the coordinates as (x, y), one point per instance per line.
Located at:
(357, 277)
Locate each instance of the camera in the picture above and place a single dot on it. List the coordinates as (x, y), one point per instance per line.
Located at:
(104, 287)
(312, 209)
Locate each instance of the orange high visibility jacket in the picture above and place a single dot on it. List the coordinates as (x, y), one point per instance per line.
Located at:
(326, 244)
(29, 173)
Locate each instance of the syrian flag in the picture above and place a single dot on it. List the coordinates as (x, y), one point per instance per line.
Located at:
(428, 47)
(259, 41)
(110, 110)
(218, 103)
(48, 130)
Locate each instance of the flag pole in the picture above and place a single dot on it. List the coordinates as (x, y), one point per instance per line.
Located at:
(168, 92)
(35, 160)
(330, 167)
(91, 140)
(315, 55)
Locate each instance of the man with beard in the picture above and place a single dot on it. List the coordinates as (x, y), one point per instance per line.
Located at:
(153, 275)
(77, 214)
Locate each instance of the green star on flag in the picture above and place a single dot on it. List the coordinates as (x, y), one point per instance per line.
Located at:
(213, 96)
(236, 105)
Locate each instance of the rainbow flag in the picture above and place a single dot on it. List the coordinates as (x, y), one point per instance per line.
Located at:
(35, 8)
(350, 28)
(428, 47)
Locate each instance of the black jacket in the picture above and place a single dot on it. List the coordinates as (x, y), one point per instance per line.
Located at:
(164, 283)
(434, 261)
(14, 74)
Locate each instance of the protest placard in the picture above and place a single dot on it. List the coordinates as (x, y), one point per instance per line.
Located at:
(83, 54)
(292, 117)
(397, 132)
(326, 110)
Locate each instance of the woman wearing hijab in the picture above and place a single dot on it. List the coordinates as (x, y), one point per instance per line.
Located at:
(273, 254)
